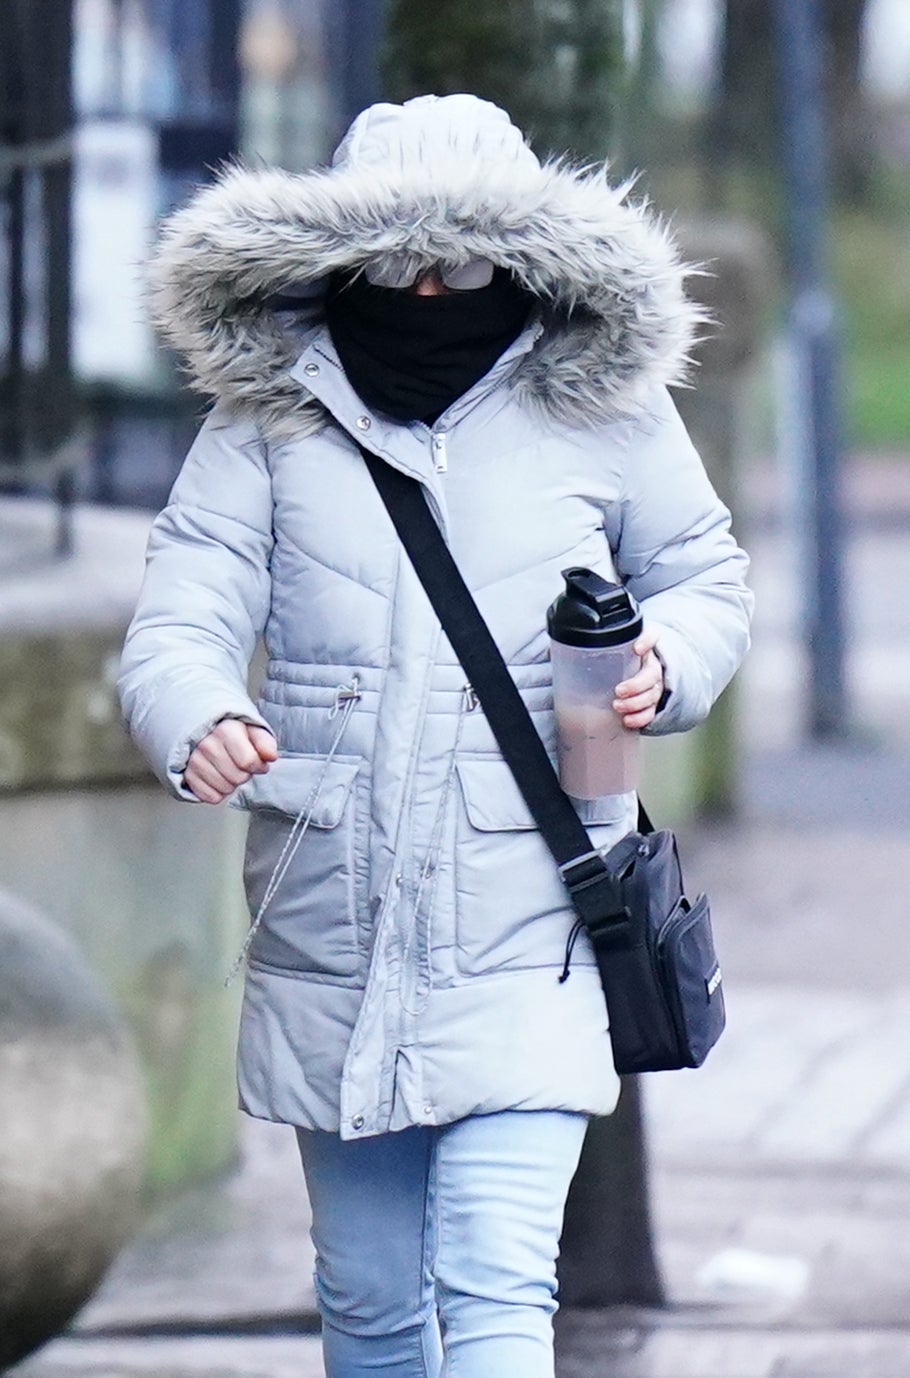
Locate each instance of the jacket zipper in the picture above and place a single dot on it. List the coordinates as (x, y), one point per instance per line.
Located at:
(429, 872)
(440, 458)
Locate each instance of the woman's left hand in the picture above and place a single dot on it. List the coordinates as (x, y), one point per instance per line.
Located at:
(637, 698)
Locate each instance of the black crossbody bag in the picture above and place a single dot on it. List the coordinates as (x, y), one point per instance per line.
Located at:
(654, 948)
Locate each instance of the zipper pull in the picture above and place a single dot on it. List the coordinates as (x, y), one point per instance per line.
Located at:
(440, 458)
(470, 701)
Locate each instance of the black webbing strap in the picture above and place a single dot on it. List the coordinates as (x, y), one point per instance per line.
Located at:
(594, 892)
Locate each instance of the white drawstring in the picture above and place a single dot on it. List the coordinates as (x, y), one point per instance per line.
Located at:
(345, 699)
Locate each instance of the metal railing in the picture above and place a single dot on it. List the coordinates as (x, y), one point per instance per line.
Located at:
(56, 426)
(37, 413)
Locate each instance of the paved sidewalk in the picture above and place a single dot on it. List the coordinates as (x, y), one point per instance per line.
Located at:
(781, 1170)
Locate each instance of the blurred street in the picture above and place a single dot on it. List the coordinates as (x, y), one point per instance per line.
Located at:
(780, 1171)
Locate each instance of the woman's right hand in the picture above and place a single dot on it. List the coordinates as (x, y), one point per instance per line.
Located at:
(226, 758)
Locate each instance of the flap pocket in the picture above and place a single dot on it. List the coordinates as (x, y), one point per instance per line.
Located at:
(294, 782)
(494, 803)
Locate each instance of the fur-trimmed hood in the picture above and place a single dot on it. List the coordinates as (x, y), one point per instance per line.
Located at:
(438, 178)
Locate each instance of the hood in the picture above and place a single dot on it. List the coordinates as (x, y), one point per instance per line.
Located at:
(237, 277)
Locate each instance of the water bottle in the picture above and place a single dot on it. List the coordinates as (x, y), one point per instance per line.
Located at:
(592, 626)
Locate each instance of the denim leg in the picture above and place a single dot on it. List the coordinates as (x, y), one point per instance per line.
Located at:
(501, 1183)
(372, 1230)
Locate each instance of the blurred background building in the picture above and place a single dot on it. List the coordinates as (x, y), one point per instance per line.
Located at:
(160, 92)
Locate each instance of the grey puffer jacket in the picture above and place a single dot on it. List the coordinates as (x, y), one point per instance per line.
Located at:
(405, 969)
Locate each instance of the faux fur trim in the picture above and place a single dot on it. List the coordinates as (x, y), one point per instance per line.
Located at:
(617, 322)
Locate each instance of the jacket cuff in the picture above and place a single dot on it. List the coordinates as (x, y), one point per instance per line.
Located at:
(687, 695)
(181, 754)
(174, 722)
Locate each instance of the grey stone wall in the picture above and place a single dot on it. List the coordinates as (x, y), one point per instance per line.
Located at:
(148, 887)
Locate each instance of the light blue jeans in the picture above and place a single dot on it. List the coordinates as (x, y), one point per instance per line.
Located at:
(436, 1247)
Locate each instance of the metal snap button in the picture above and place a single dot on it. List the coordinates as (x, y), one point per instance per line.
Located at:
(428, 1109)
(311, 370)
(363, 423)
(357, 1122)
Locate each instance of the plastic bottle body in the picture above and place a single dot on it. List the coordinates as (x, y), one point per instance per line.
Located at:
(597, 755)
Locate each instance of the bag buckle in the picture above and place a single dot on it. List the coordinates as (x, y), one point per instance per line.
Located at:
(596, 896)
(592, 868)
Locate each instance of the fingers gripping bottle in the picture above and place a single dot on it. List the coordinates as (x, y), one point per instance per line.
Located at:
(592, 627)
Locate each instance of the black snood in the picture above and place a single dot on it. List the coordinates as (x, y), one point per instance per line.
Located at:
(411, 356)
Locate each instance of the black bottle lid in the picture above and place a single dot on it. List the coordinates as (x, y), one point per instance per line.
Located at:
(593, 612)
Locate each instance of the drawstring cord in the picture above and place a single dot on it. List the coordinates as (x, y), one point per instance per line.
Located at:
(577, 926)
(345, 699)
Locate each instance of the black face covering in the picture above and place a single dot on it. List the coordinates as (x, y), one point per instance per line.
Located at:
(411, 356)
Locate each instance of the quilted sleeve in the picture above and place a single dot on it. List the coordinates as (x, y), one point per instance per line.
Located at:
(204, 600)
(675, 551)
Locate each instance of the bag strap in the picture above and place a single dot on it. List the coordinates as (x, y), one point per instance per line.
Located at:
(594, 890)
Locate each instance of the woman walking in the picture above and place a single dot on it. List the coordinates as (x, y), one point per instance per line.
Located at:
(504, 333)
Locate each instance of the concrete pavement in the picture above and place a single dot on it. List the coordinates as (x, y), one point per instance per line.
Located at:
(781, 1170)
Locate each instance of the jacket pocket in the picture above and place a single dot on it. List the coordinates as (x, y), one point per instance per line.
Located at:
(512, 909)
(310, 923)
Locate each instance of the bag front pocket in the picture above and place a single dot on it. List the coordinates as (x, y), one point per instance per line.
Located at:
(310, 923)
(512, 908)
(692, 979)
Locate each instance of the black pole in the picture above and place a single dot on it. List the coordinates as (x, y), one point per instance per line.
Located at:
(356, 30)
(54, 118)
(13, 444)
(224, 65)
(12, 188)
(36, 395)
(607, 1255)
(799, 38)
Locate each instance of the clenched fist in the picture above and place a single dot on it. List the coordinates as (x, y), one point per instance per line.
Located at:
(226, 758)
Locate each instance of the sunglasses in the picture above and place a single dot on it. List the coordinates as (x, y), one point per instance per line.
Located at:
(403, 271)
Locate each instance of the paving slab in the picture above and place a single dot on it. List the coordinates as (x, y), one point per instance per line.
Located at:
(810, 905)
(235, 1252)
(801, 1077)
(198, 1357)
(810, 1249)
(589, 1348)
